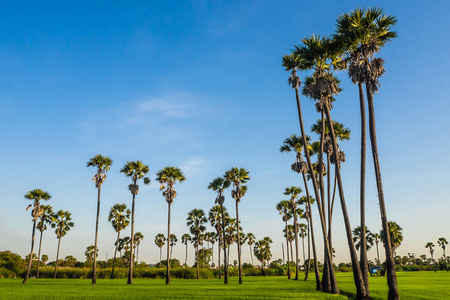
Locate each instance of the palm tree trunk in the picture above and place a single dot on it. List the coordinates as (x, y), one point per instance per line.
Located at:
(239, 242)
(378, 255)
(296, 245)
(316, 265)
(287, 252)
(445, 259)
(57, 257)
(31, 253)
(198, 261)
(137, 255)
(94, 271)
(39, 255)
(334, 288)
(115, 252)
(357, 275)
(303, 244)
(220, 274)
(185, 260)
(225, 266)
(130, 271)
(390, 262)
(168, 248)
(160, 253)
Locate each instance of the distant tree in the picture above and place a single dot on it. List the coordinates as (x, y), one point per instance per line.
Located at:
(44, 258)
(89, 253)
(284, 209)
(11, 261)
(70, 261)
(185, 239)
(395, 235)
(46, 218)
(262, 252)
(377, 238)
(250, 241)
(294, 193)
(119, 216)
(442, 242)
(138, 237)
(102, 164)
(173, 242)
(35, 195)
(62, 221)
(160, 241)
(196, 218)
(357, 238)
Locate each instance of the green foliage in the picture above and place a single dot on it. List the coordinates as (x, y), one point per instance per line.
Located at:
(10, 262)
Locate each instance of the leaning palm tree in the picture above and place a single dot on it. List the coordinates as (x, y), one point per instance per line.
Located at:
(238, 176)
(138, 237)
(250, 241)
(168, 177)
(46, 218)
(62, 221)
(284, 209)
(294, 192)
(135, 170)
(215, 219)
(219, 185)
(160, 241)
(103, 164)
(362, 33)
(196, 218)
(119, 216)
(442, 242)
(36, 195)
(185, 238)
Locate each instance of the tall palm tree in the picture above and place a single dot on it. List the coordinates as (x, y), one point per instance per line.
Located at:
(238, 176)
(135, 170)
(45, 218)
(196, 218)
(138, 237)
(35, 195)
(442, 242)
(119, 216)
(284, 208)
(322, 55)
(185, 238)
(377, 238)
(250, 241)
(219, 185)
(103, 164)
(362, 33)
(294, 192)
(160, 241)
(173, 241)
(215, 219)
(62, 221)
(168, 177)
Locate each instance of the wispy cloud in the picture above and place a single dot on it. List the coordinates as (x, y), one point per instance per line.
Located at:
(193, 166)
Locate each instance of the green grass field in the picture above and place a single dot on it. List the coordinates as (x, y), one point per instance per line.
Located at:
(412, 285)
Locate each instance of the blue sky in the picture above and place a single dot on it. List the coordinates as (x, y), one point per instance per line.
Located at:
(199, 85)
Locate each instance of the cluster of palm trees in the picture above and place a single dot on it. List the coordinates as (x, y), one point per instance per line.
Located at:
(355, 45)
(442, 242)
(42, 216)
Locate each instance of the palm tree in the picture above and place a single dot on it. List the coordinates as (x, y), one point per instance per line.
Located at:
(284, 208)
(173, 242)
(135, 170)
(185, 238)
(160, 241)
(89, 253)
(238, 176)
(395, 235)
(321, 55)
(219, 185)
(103, 164)
(294, 192)
(196, 218)
(442, 242)
(250, 241)
(215, 219)
(167, 177)
(36, 195)
(362, 33)
(357, 238)
(62, 222)
(138, 237)
(430, 245)
(46, 218)
(303, 232)
(119, 216)
(262, 252)
(377, 238)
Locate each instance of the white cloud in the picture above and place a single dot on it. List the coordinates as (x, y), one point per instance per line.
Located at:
(193, 166)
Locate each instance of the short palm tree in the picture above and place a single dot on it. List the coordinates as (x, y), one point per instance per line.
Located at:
(196, 218)
(119, 216)
(215, 219)
(160, 241)
(302, 233)
(430, 245)
(138, 237)
(262, 252)
(102, 164)
(45, 218)
(168, 177)
(395, 235)
(185, 239)
(135, 170)
(442, 242)
(362, 33)
(284, 209)
(250, 241)
(89, 253)
(377, 238)
(35, 195)
(238, 176)
(357, 238)
(173, 242)
(62, 221)
(219, 185)
(294, 192)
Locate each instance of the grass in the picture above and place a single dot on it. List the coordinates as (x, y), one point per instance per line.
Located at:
(412, 285)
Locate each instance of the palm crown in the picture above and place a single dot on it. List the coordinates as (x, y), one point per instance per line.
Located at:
(237, 176)
(168, 177)
(219, 185)
(37, 195)
(119, 216)
(62, 222)
(196, 218)
(46, 217)
(103, 164)
(136, 170)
